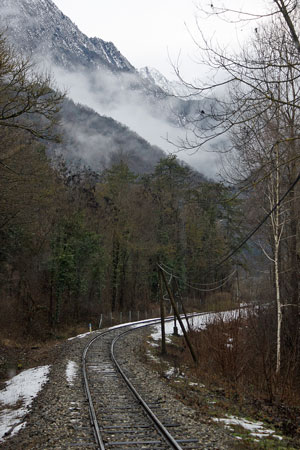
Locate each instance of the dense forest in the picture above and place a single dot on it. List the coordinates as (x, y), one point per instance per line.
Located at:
(78, 244)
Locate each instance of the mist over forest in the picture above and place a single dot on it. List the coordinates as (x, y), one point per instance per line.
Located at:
(95, 74)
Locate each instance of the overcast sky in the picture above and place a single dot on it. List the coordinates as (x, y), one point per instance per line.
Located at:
(146, 31)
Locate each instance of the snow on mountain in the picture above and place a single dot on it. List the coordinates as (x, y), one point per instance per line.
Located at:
(38, 27)
(157, 78)
(96, 74)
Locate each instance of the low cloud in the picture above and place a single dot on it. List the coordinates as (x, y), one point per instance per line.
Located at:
(121, 96)
(114, 96)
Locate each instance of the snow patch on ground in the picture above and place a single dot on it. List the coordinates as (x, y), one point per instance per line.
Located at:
(80, 336)
(200, 385)
(17, 397)
(152, 357)
(256, 429)
(170, 372)
(134, 324)
(196, 322)
(71, 372)
(152, 344)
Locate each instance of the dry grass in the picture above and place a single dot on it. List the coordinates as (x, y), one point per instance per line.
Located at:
(237, 366)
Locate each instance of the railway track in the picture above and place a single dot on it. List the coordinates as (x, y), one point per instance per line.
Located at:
(124, 413)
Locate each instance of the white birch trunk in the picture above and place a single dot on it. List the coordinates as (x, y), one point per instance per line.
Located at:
(279, 307)
(277, 230)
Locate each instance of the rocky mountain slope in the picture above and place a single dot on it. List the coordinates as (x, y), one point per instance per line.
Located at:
(95, 141)
(156, 78)
(98, 75)
(40, 29)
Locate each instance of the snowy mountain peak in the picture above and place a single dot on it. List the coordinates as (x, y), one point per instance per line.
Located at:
(155, 77)
(38, 27)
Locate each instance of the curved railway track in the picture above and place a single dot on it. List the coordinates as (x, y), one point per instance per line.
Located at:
(123, 418)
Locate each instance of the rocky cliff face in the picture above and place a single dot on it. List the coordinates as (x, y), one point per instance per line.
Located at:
(40, 29)
(154, 77)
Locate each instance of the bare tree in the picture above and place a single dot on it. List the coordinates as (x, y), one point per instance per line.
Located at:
(28, 100)
(263, 155)
(243, 84)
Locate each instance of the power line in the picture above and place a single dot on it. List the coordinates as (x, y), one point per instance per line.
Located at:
(194, 284)
(236, 249)
(249, 235)
(223, 282)
(214, 288)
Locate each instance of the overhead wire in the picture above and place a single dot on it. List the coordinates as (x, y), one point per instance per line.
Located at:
(236, 249)
(196, 288)
(249, 235)
(195, 284)
(214, 288)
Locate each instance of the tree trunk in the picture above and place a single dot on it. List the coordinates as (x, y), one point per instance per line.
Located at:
(115, 269)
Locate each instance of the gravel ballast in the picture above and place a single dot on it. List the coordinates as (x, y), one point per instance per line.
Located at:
(59, 418)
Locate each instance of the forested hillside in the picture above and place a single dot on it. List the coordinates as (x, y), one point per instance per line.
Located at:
(74, 245)
(91, 140)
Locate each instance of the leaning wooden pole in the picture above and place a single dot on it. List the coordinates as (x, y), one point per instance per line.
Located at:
(178, 316)
(162, 315)
(183, 309)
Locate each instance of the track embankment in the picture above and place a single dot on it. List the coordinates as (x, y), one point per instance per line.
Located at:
(60, 417)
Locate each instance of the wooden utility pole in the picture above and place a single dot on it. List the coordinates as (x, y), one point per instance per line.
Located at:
(237, 287)
(178, 316)
(175, 329)
(162, 315)
(183, 308)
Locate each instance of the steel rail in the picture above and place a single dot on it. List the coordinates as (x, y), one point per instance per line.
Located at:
(93, 417)
(94, 421)
(158, 425)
